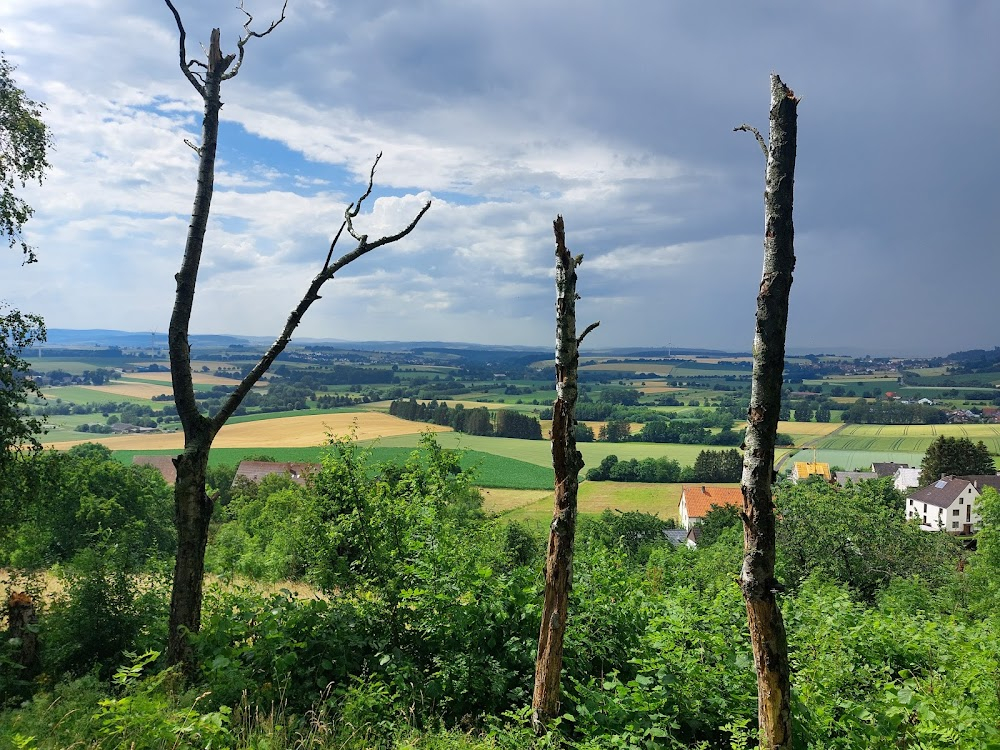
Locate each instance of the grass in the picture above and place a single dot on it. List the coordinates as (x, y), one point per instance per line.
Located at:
(79, 395)
(491, 471)
(595, 497)
(539, 452)
(497, 500)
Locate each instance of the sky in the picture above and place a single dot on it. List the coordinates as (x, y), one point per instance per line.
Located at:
(617, 115)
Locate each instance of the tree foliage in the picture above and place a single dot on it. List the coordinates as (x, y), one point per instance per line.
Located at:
(856, 535)
(24, 143)
(956, 457)
(18, 430)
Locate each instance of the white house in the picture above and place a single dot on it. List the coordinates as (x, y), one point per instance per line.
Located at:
(949, 503)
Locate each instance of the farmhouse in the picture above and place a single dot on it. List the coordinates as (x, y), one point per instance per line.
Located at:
(888, 468)
(696, 501)
(805, 469)
(254, 471)
(949, 503)
(163, 464)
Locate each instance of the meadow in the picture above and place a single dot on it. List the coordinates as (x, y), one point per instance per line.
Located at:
(84, 394)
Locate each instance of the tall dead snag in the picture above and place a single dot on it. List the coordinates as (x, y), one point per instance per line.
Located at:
(767, 630)
(192, 505)
(567, 462)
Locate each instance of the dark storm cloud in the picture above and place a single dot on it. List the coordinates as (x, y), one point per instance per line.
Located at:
(619, 116)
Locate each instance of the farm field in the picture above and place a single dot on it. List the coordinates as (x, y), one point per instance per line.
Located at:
(504, 474)
(658, 499)
(807, 429)
(137, 390)
(540, 452)
(85, 394)
(199, 378)
(856, 460)
(656, 368)
(908, 438)
(497, 500)
(291, 432)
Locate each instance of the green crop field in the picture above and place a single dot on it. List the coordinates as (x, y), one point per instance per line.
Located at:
(75, 394)
(539, 452)
(857, 460)
(76, 366)
(907, 438)
(491, 470)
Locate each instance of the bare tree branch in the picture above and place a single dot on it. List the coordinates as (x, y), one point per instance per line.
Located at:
(333, 244)
(354, 208)
(247, 36)
(295, 317)
(760, 139)
(586, 330)
(185, 66)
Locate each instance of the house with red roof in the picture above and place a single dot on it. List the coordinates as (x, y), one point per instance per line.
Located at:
(697, 500)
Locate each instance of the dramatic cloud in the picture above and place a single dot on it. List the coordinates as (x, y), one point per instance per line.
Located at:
(619, 117)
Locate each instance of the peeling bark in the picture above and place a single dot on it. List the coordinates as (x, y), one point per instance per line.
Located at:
(567, 462)
(757, 581)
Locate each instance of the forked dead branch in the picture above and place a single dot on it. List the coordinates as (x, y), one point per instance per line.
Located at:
(193, 506)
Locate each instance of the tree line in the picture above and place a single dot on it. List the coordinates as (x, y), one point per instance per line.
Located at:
(709, 466)
(476, 421)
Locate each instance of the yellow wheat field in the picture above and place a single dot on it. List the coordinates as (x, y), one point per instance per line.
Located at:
(287, 432)
(138, 390)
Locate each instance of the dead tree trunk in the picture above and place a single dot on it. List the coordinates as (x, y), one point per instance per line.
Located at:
(567, 463)
(767, 630)
(192, 505)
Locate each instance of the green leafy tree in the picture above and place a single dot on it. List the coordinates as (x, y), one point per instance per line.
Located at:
(24, 142)
(18, 430)
(615, 431)
(716, 522)
(616, 394)
(956, 457)
(856, 535)
(803, 412)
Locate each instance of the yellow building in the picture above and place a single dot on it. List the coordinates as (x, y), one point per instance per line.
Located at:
(805, 469)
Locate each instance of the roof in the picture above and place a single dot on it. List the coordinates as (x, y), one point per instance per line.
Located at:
(942, 493)
(888, 469)
(700, 499)
(805, 469)
(675, 536)
(843, 477)
(164, 464)
(257, 470)
(982, 480)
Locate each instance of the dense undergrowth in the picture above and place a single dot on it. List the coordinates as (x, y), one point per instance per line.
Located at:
(422, 629)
